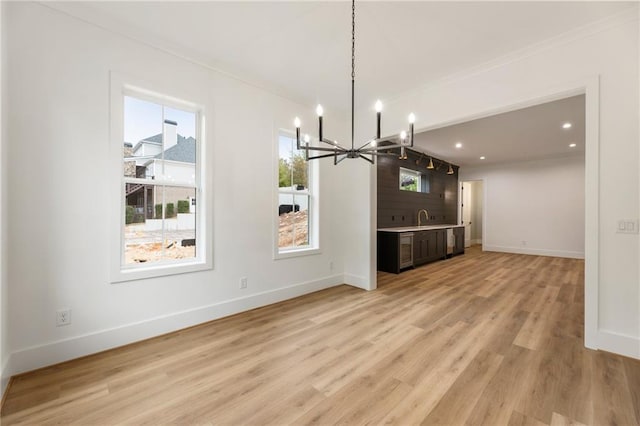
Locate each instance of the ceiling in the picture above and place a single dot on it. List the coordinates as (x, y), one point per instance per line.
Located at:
(302, 49)
(526, 134)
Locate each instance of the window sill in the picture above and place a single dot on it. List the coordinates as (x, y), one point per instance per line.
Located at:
(159, 270)
(286, 254)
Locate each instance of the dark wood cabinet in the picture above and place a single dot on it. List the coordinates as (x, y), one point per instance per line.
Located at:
(388, 254)
(458, 233)
(420, 248)
(428, 246)
(439, 245)
(395, 251)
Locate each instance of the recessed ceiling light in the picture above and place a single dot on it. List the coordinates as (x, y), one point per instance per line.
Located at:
(566, 126)
(572, 145)
(459, 145)
(482, 158)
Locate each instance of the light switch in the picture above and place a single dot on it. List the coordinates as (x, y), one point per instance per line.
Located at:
(628, 226)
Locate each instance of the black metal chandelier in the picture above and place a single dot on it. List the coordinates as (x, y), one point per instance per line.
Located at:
(369, 150)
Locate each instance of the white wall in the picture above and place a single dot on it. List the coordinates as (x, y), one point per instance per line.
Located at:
(59, 89)
(358, 197)
(4, 299)
(175, 170)
(534, 207)
(607, 54)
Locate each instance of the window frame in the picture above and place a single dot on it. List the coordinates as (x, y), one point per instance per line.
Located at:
(172, 96)
(415, 173)
(313, 176)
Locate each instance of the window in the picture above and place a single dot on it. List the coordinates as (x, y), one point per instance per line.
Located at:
(413, 181)
(297, 201)
(409, 180)
(160, 174)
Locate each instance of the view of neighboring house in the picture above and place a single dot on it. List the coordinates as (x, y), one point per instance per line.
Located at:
(177, 164)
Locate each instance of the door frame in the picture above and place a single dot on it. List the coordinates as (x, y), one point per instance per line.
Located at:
(590, 87)
(484, 204)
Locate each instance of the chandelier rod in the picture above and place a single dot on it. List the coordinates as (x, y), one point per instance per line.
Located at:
(370, 148)
(353, 68)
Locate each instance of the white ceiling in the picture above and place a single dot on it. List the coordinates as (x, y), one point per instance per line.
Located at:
(302, 49)
(526, 134)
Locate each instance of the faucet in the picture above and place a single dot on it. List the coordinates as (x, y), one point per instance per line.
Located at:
(426, 216)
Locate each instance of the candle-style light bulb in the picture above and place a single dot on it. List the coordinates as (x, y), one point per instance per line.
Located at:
(373, 143)
(378, 117)
(296, 122)
(403, 135)
(319, 111)
(306, 138)
(412, 119)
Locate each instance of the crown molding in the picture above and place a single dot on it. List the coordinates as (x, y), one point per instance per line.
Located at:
(623, 17)
(79, 12)
(88, 16)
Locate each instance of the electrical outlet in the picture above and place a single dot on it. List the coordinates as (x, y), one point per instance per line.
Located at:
(524, 243)
(63, 317)
(331, 266)
(243, 282)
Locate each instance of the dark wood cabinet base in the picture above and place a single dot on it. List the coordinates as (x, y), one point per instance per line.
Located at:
(428, 246)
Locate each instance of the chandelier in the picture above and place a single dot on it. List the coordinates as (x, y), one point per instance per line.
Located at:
(367, 151)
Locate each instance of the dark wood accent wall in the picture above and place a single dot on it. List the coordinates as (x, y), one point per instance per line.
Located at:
(400, 208)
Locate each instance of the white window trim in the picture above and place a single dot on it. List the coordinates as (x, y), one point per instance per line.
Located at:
(122, 86)
(314, 205)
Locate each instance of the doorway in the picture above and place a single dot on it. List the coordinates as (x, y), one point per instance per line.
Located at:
(589, 87)
(472, 211)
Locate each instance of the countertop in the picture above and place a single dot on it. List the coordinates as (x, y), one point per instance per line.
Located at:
(418, 228)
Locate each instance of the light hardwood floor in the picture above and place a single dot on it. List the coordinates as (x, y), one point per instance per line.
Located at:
(484, 338)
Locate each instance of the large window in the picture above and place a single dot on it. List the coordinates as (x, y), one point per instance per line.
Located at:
(160, 185)
(296, 199)
(160, 197)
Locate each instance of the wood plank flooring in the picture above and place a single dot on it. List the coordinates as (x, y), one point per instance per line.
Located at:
(484, 338)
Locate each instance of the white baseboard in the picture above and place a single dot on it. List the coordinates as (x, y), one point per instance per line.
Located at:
(356, 281)
(476, 241)
(4, 377)
(534, 251)
(63, 350)
(617, 343)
